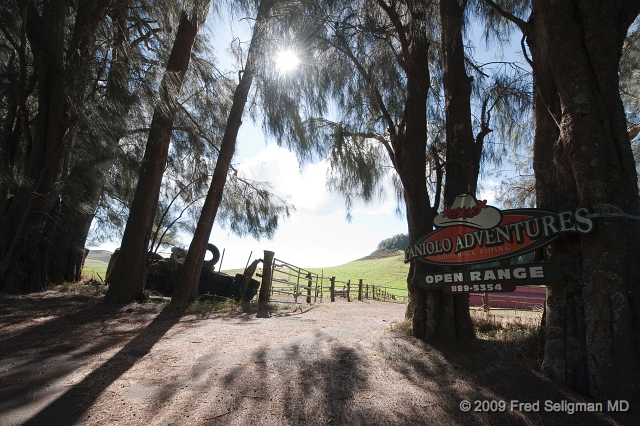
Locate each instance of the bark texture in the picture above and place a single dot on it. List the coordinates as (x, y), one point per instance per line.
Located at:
(61, 79)
(463, 155)
(129, 272)
(582, 156)
(66, 252)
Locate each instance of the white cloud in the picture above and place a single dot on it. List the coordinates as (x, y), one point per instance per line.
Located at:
(317, 233)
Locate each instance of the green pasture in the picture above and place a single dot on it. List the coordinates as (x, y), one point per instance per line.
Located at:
(96, 269)
(389, 272)
(95, 265)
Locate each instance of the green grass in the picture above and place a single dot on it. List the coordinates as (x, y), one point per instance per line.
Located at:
(95, 265)
(95, 269)
(390, 272)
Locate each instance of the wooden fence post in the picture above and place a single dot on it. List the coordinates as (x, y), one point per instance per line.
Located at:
(366, 292)
(309, 284)
(373, 292)
(485, 302)
(265, 286)
(349, 291)
(360, 290)
(332, 289)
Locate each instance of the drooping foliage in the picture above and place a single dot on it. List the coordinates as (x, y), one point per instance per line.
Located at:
(110, 103)
(352, 97)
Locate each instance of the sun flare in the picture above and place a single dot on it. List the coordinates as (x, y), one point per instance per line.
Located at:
(286, 61)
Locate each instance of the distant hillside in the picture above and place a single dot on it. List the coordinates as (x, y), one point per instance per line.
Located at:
(385, 269)
(379, 254)
(99, 255)
(388, 270)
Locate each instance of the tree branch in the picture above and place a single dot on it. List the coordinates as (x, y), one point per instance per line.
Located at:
(343, 47)
(377, 137)
(524, 51)
(402, 35)
(524, 27)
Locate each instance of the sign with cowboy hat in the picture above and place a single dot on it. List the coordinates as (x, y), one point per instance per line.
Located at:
(471, 232)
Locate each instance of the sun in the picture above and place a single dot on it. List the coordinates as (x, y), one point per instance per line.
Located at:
(286, 61)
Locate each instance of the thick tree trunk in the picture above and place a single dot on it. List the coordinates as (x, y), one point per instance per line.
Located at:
(410, 163)
(462, 163)
(129, 273)
(582, 156)
(23, 224)
(187, 287)
(67, 249)
(22, 228)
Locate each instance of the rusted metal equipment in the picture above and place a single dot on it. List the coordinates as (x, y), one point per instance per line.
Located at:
(164, 273)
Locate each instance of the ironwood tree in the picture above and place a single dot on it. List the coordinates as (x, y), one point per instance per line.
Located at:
(129, 273)
(61, 46)
(372, 59)
(186, 288)
(364, 57)
(463, 152)
(99, 132)
(503, 100)
(583, 156)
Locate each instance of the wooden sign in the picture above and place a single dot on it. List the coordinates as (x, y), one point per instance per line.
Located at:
(479, 288)
(471, 232)
(541, 273)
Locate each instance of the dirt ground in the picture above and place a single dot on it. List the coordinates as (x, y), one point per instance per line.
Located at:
(69, 359)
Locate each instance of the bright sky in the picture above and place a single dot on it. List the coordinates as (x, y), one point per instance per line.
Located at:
(317, 233)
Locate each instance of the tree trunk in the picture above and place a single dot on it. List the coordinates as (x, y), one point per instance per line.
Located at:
(29, 216)
(462, 163)
(265, 285)
(129, 273)
(582, 156)
(187, 287)
(410, 163)
(69, 238)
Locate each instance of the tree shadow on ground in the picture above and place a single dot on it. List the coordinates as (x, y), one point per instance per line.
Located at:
(321, 381)
(330, 376)
(68, 407)
(490, 371)
(63, 332)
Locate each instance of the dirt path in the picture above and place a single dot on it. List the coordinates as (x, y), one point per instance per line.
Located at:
(71, 360)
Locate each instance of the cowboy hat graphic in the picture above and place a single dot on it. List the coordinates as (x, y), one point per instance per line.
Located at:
(466, 210)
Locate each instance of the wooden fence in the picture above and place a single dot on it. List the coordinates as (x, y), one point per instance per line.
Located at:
(292, 282)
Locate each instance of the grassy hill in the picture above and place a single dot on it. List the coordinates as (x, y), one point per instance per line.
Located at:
(388, 270)
(95, 265)
(385, 269)
(99, 255)
(382, 269)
